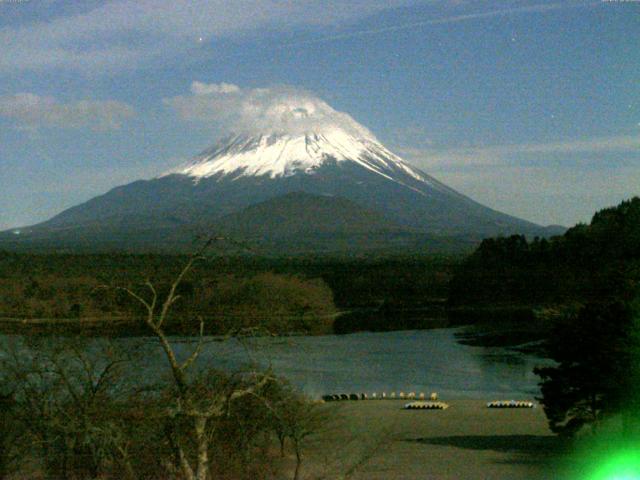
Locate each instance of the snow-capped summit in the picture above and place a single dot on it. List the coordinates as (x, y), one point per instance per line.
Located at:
(294, 136)
(285, 154)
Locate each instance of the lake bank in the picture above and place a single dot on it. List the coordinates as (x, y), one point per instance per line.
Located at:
(379, 319)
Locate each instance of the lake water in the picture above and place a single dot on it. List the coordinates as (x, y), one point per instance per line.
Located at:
(419, 361)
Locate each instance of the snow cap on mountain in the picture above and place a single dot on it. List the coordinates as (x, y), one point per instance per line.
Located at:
(280, 132)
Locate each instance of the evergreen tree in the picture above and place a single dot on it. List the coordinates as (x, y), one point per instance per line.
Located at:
(598, 356)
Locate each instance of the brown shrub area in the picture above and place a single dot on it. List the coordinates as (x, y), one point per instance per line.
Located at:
(278, 303)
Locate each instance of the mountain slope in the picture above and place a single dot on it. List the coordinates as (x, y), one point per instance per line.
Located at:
(299, 222)
(343, 160)
(303, 214)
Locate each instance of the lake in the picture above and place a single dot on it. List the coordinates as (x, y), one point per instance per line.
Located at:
(420, 361)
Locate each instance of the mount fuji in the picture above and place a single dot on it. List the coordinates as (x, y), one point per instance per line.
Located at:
(334, 186)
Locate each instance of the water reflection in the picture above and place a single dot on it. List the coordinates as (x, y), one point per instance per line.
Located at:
(420, 361)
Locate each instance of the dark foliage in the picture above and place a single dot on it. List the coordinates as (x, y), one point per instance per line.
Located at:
(588, 263)
(598, 358)
(280, 294)
(7, 405)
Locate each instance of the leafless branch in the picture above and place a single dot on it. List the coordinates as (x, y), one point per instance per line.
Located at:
(197, 350)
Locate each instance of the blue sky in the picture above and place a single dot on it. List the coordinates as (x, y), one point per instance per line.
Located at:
(531, 107)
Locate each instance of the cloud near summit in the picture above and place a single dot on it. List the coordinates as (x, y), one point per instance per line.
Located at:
(232, 109)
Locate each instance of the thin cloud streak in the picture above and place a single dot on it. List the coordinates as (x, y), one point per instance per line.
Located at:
(441, 21)
(502, 155)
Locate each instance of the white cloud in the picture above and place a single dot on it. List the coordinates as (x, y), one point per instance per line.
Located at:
(199, 88)
(228, 108)
(28, 110)
(498, 155)
(124, 34)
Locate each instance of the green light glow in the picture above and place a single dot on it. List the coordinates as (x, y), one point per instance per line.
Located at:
(624, 465)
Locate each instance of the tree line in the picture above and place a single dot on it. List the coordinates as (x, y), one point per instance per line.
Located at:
(301, 294)
(584, 288)
(587, 263)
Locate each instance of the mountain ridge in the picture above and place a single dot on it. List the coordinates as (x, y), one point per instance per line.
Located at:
(343, 161)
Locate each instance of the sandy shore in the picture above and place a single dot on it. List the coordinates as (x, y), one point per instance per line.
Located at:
(379, 440)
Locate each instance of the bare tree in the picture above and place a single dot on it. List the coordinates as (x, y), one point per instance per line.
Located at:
(192, 401)
(63, 402)
(294, 418)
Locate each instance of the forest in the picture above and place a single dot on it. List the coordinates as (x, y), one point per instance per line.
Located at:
(505, 279)
(591, 262)
(282, 295)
